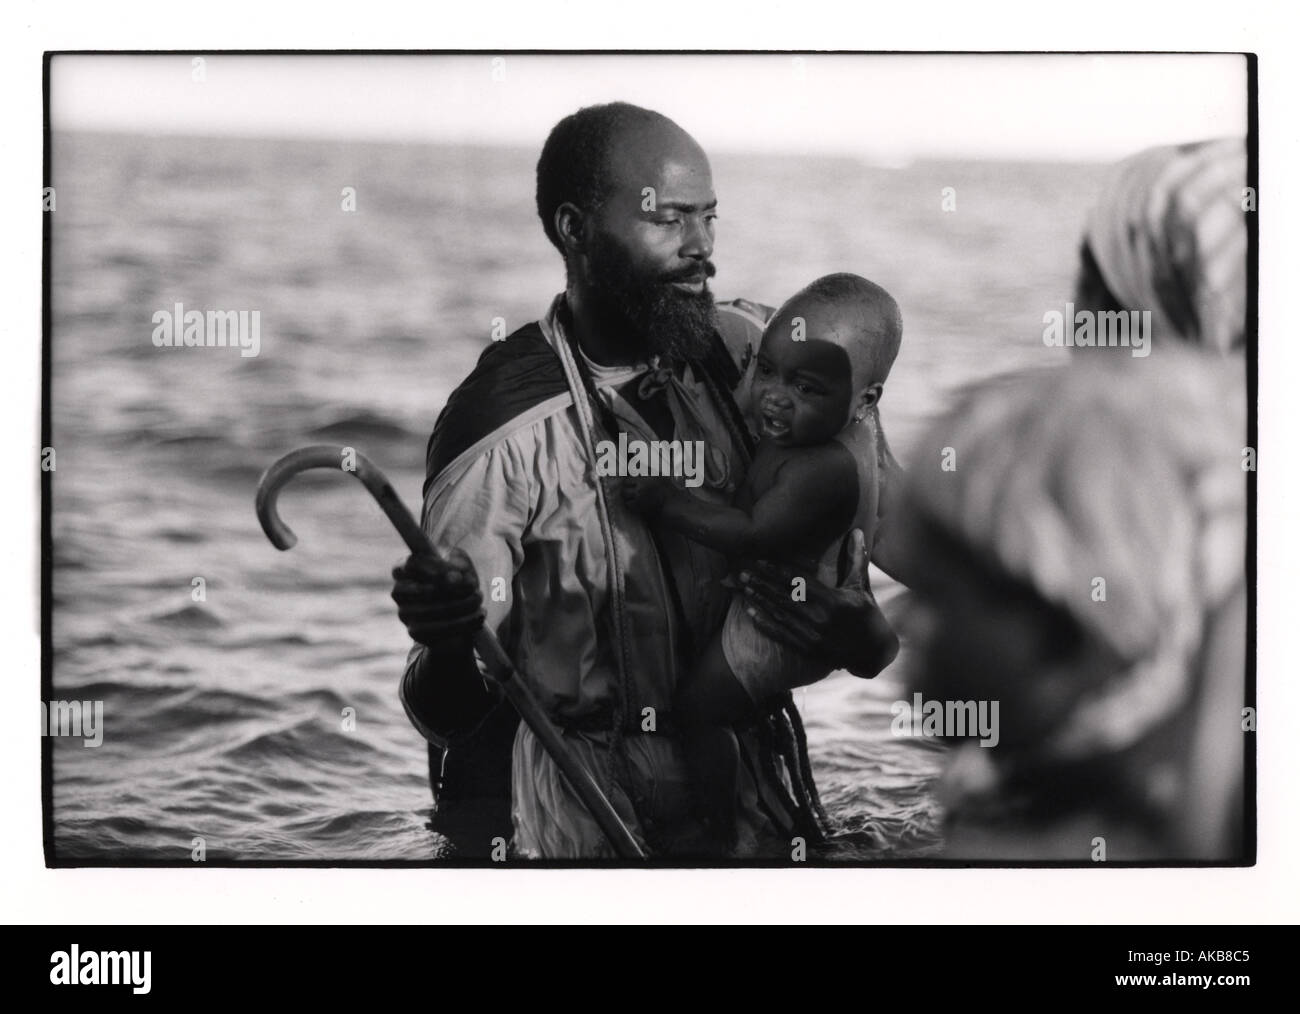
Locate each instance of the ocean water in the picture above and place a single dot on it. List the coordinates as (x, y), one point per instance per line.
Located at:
(224, 666)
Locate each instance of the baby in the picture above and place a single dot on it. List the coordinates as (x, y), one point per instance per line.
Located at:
(820, 370)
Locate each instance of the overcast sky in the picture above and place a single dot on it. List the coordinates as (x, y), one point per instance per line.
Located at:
(887, 108)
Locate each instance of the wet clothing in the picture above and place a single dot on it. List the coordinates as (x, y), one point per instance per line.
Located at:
(600, 610)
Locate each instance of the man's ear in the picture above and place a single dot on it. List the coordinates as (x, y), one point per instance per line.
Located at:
(571, 225)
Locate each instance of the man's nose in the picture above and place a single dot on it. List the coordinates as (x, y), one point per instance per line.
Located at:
(697, 243)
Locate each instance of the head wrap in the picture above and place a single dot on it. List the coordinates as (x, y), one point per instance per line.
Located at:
(1169, 236)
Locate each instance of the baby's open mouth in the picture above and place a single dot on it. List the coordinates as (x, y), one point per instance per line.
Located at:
(773, 426)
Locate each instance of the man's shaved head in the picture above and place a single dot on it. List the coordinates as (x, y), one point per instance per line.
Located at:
(626, 196)
(578, 157)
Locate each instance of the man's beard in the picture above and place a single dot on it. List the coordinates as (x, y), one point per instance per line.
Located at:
(671, 323)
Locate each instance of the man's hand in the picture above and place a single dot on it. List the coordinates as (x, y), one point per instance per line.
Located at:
(647, 496)
(842, 626)
(438, 601)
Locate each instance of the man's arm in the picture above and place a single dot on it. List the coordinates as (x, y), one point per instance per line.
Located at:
(477, 512)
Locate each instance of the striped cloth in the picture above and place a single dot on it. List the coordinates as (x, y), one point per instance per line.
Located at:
(1136, 476)
(1169, 236)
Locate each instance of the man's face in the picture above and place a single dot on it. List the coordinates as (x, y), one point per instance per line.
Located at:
(647, 261)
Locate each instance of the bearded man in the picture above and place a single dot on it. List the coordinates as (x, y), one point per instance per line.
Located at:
(602, 610)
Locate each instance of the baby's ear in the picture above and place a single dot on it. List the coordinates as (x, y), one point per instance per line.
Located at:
(870, 395)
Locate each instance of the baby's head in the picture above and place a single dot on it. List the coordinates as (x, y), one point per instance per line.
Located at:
(824, 359)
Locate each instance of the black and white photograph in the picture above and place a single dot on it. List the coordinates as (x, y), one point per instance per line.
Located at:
(449, 457)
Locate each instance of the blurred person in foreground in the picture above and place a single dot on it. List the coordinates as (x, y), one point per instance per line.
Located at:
(1085, 567)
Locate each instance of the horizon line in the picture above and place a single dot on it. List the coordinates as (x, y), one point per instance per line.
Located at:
(882, 160)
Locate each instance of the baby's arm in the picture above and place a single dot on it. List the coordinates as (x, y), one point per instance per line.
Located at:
(813, 490)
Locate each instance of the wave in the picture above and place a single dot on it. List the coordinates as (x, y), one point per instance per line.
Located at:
(314, 740)
(193, 616)
(364, 425)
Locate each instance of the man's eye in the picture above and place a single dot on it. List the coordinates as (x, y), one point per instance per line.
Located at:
(808, 389)
(764, 370)
(668, 221)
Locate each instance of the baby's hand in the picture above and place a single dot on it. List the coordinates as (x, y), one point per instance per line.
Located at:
(647, 496)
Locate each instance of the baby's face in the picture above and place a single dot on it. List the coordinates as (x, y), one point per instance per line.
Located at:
(803, 383)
